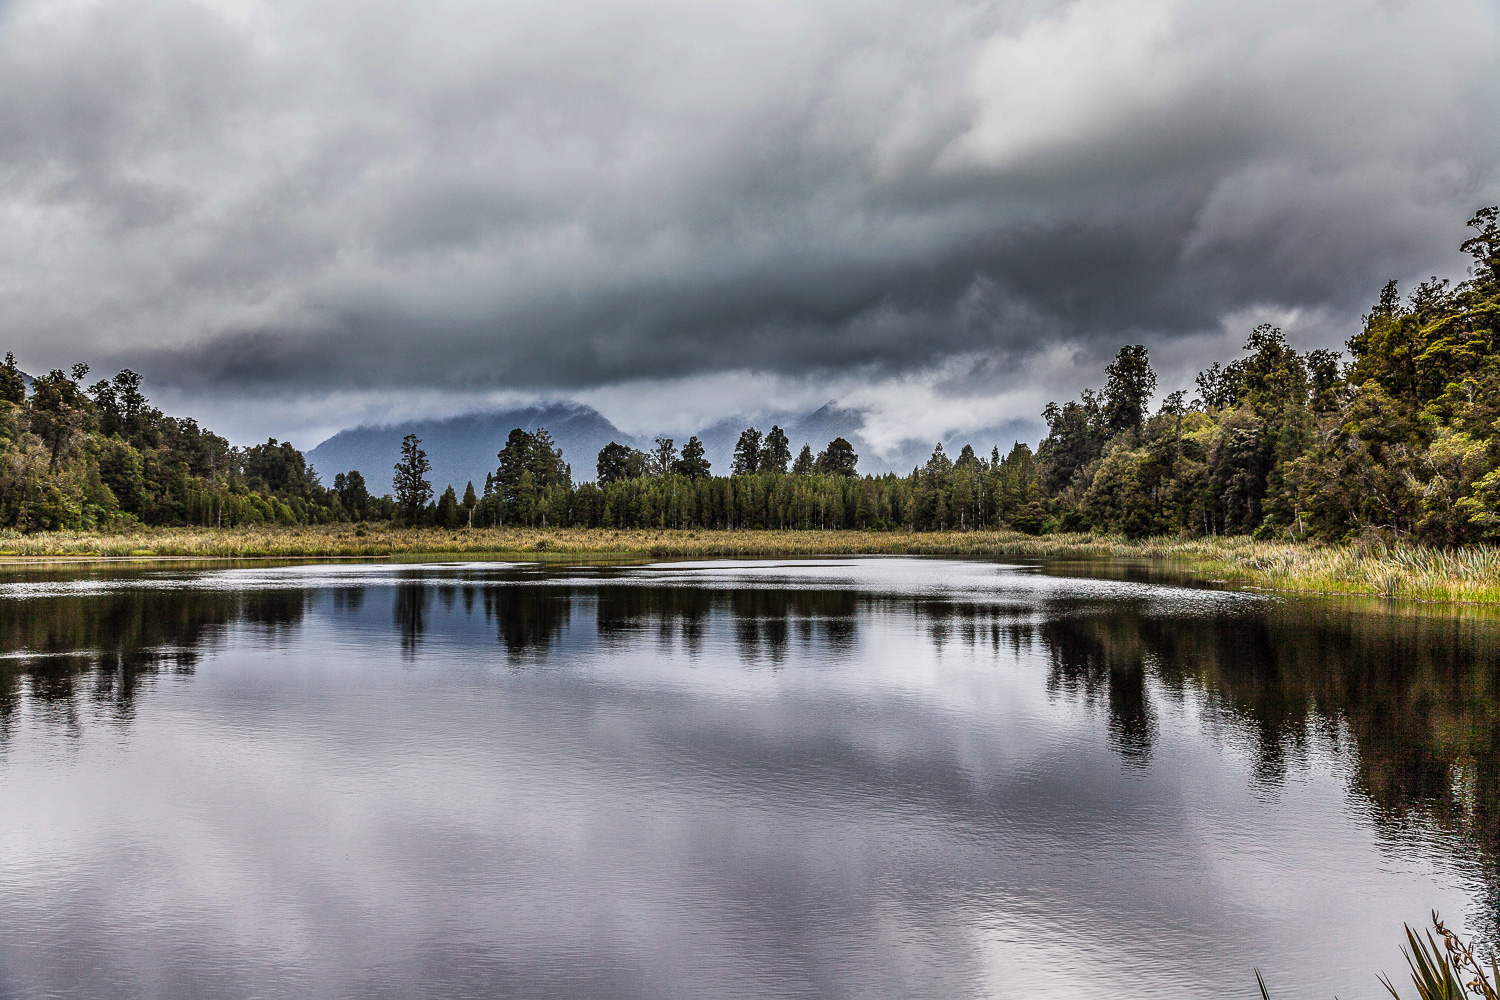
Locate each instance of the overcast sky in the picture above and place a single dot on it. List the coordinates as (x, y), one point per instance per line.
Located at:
(299, 215)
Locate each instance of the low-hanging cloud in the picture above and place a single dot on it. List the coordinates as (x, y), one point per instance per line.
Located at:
(260, 198)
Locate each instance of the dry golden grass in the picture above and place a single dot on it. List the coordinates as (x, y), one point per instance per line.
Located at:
(1398, 571)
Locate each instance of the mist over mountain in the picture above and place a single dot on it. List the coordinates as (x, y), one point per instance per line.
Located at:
(831, 420)
(464, 448)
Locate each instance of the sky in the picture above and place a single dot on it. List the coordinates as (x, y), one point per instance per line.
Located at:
(294, 216)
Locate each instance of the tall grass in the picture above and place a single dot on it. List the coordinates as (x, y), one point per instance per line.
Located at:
(1401, 571)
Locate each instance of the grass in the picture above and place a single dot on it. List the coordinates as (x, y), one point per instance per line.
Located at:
(1409, 572)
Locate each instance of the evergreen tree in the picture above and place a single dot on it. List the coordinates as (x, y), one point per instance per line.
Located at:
(546, 461)
(1076, 435)
(747, 452)
(775, 452)
(1129, 383)
(805, 463)
(60, 411)
(616, 462)
(515, 460)
(838, 459)
(353, 495)
(12, 383)
(663, 458)
(409, 481)
(470, 501)
(448, 509)
(692, 464)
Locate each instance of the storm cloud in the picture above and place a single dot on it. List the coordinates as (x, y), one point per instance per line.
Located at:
(964, 206)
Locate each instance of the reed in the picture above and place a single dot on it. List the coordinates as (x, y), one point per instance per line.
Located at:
(1401, 571)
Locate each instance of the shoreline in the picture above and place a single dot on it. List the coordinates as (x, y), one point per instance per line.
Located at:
(1400, 571)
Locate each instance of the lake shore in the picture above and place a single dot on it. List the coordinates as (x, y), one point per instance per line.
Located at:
(1470, 575)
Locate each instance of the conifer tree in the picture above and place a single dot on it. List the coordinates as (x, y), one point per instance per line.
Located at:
(412, 489)
(1129, 383)
(692, 464)
(747, 452)
(447, 509)
(663, 458)
(838, 459)
(12, 384)
(775, 452)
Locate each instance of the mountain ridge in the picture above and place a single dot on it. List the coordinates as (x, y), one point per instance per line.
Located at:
(464, 448)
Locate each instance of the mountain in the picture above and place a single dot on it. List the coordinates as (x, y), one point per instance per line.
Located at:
(464, 448)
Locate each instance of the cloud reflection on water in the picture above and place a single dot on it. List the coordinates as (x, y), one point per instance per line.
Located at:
(864, 778)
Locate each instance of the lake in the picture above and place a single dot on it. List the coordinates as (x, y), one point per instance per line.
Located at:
(816, 778)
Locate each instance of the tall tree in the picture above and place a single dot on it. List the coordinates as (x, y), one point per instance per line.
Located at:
(693, 464)
(60, 411)
(413, 491)
(12, 383)
(546, 461)
(448, 509)
(1129, 383)
(663, 457)
(747, 452)
(775, 452)
(805, 464)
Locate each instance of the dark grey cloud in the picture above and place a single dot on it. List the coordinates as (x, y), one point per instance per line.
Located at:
(252, 198)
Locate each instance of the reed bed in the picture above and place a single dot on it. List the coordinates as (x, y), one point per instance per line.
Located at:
(1401, 571)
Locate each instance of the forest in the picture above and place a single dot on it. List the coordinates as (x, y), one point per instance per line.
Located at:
(1398, 438)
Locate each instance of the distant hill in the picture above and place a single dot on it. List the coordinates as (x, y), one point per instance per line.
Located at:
(464, 448)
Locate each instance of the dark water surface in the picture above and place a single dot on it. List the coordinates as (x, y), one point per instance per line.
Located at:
(851, 778)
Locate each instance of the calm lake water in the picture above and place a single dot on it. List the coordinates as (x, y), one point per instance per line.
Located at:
(832, 778)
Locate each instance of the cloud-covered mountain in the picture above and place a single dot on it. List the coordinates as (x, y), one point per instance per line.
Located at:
(464, 448)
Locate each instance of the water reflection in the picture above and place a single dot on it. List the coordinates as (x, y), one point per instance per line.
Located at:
(1416, 689)
(1405, 698)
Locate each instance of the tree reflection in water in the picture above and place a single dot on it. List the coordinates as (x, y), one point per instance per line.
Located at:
(1414, 690)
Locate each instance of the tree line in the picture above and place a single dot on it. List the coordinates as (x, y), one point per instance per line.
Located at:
(1400, 438)
(76, 456)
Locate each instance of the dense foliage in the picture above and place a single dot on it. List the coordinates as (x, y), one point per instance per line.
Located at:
(103, 457)
(1402, 439)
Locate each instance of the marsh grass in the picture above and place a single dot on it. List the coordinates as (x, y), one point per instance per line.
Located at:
(1407, 572)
